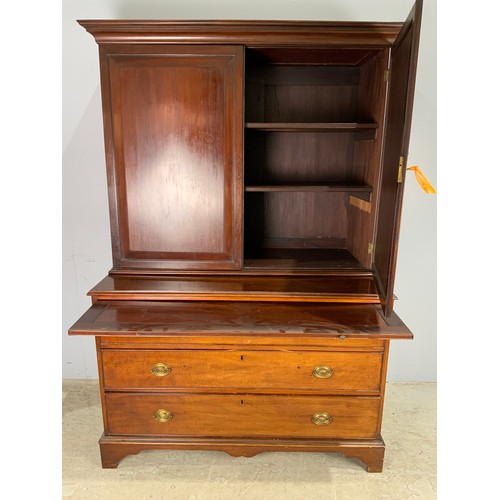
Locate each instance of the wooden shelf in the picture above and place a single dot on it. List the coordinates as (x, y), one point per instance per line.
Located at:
(301, 259)
(327, 187)
(310, 127)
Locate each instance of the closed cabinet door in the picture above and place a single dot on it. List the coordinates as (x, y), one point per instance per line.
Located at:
(173, 127)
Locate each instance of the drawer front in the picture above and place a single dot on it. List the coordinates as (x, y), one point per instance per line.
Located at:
(241, 415)
(272, 341)
(170, 370)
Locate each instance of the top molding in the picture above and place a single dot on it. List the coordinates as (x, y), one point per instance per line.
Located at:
(249, 33)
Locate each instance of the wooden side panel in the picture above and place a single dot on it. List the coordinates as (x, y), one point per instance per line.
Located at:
(175, 119)
(403, 68)
(366, 156)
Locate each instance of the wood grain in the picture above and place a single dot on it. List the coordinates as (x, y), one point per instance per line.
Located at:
(282, 342)
(366, 156)
(301, 319)
(279, 157)
(396, 143)
(175, 119)
(200, 371)
(243, 415)
(317, 288)
(368, 451)
(249, 33)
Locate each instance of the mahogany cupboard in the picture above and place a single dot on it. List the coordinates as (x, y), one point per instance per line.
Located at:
(255, 173)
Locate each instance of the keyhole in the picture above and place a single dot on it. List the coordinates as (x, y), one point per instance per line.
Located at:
(241, 401)
(242, 358)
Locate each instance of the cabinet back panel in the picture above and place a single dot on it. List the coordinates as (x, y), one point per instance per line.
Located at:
(297, 157)
(301, 94)
(290, 103)
(309, 56)
(295, 215)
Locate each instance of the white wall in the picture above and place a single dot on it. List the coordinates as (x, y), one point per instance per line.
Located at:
(86, 236)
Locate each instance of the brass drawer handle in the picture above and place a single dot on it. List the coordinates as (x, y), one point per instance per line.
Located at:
(163, 415)
(321, 418)
(322, 371)
(160, 369)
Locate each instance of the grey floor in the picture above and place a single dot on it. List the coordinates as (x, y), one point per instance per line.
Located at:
(409, 431)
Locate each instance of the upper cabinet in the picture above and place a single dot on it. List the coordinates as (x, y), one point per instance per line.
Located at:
(256, 148)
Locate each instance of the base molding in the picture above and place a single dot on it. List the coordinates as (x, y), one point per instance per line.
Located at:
(115, 448)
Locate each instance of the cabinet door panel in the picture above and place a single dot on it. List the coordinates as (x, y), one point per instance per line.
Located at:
(174, 119)
(403, 67)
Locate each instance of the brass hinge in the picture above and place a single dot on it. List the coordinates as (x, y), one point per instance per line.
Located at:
(371, 248)
(387, 73)
(400, 169)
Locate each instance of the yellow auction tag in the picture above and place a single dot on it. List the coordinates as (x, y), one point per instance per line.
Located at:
(422, 180)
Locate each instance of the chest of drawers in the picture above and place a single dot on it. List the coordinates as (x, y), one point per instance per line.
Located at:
(285, 377)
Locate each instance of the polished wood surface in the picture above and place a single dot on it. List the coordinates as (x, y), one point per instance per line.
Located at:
(293, 215)
(369, 451)
(302, 288)
(239, 318)
(199, 371)
(306, 157)
(176, 141)
(282, 342)
(243, 415)
(250, 33)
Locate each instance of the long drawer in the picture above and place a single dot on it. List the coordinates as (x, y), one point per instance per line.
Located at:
(241, 415)
(204, 369)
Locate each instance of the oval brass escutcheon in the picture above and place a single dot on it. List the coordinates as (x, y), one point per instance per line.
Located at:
(163, 415)
(321, 418)
(160, 369)
(322, 371)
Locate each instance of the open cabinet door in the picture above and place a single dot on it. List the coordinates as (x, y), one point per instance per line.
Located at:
(403, 67)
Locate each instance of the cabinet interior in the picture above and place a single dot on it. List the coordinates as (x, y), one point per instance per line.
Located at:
(312, 156)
